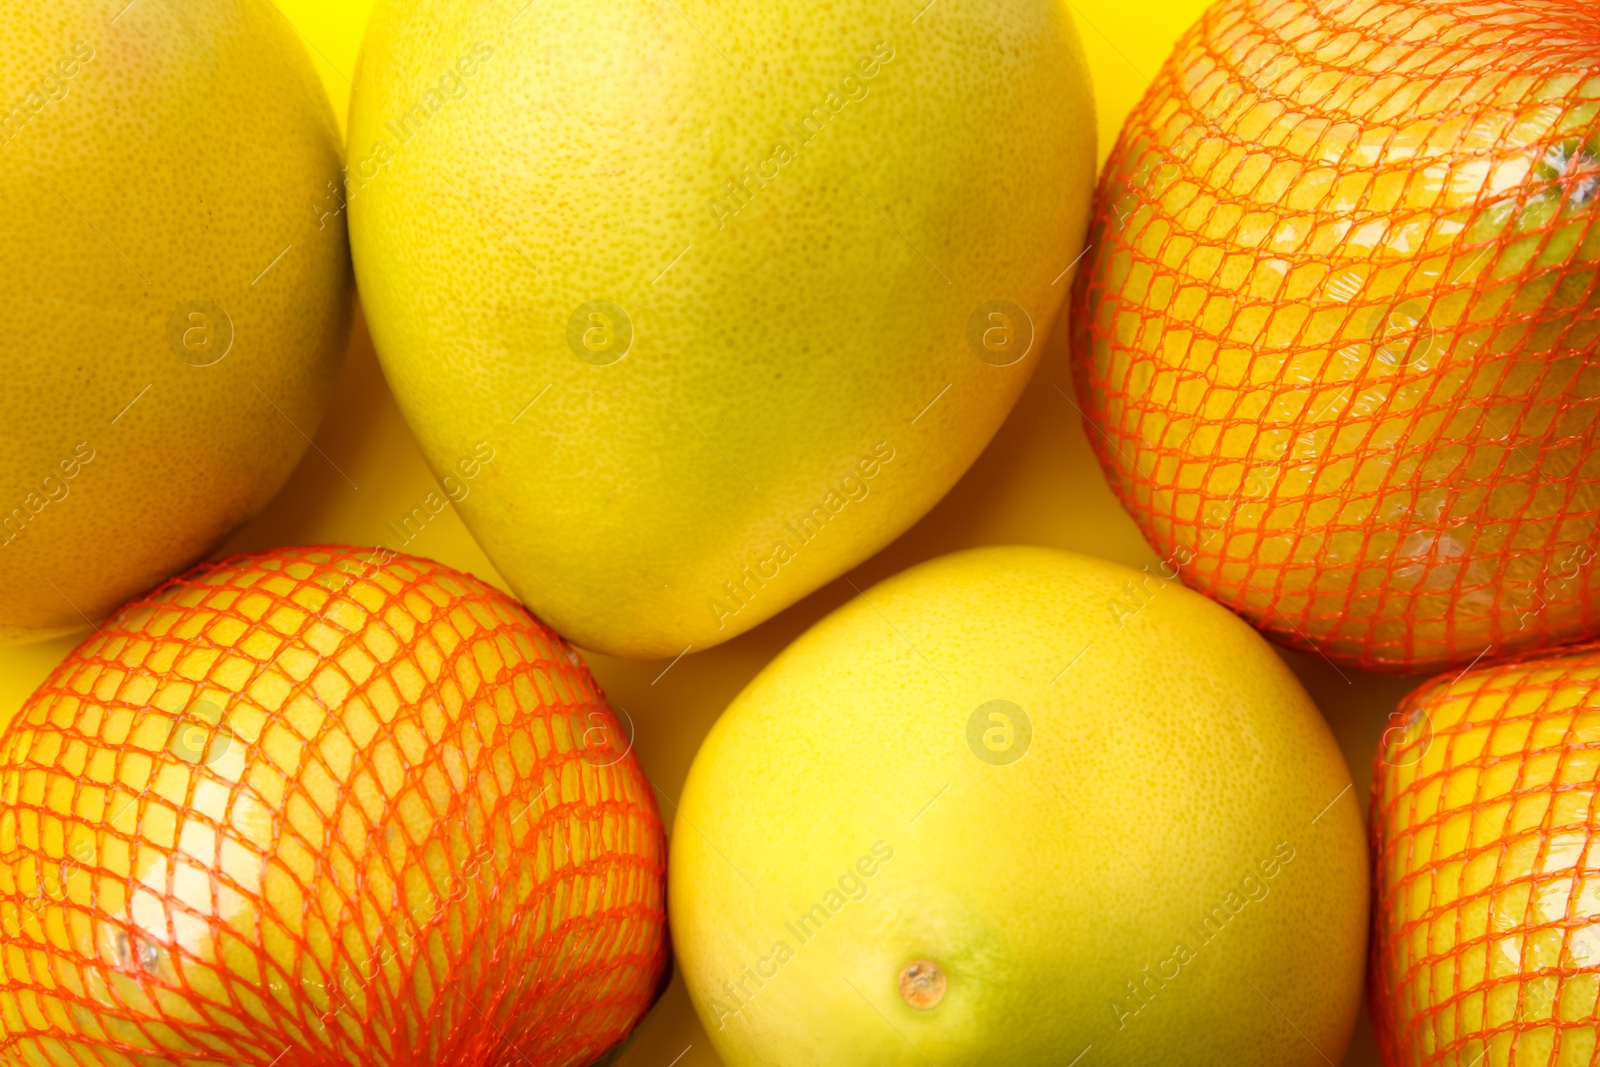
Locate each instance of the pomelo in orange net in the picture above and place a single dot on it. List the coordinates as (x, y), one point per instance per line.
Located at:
(1336, 336)
(1486, 846)
(324, 806)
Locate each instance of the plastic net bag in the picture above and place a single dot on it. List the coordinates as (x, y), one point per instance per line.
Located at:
(329, 806)
(1335, 338)
(1486, 912)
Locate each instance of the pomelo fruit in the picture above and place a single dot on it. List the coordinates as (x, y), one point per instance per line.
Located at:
(1018, 806)
(737, 291)
(178, 290)
(1336, 337)
(324, 805)
(1486, 942)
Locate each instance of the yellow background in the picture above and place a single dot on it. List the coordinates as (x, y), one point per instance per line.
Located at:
(1037, 483)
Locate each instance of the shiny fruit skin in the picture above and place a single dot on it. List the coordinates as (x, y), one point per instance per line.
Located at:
(1173, 762)
(324, 806)
(1337, 335)
(1486, 914)
(786, 377)
(187, 166)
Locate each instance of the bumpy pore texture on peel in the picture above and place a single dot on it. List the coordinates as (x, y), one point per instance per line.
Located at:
(1486, 946)
(729, 286)
(1338, 331)
(302, 808)
(1176, 845)
(177, 290)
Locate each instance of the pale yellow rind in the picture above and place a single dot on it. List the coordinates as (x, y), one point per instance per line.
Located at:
(189, 158)
(1173, 755)
(802, 358)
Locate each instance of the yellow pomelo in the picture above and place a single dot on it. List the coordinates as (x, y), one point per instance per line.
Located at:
(1015, 804)
(1487, 931)
(177, 289)
(737, 291)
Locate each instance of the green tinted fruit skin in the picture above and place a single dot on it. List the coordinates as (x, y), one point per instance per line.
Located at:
(799, 386)
(180, 157)
(1175, 766)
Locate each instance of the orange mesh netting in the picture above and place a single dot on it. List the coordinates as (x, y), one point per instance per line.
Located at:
(1336, 338)
(1486, 944)
(321, 807)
